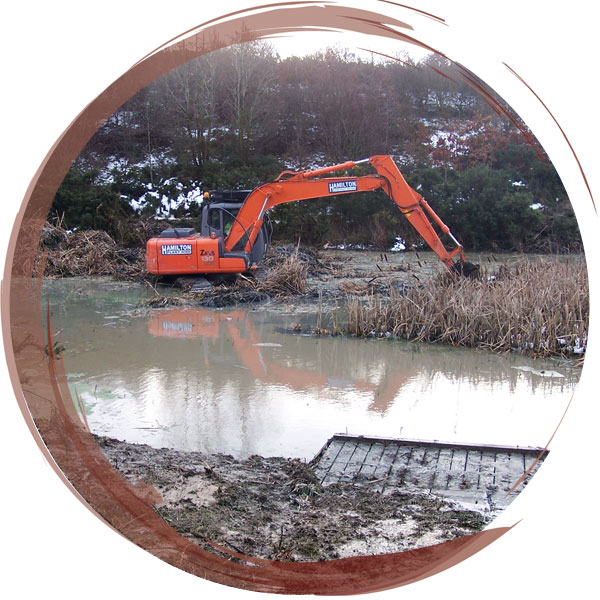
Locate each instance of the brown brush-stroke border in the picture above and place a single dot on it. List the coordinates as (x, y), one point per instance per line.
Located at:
(585, 180)
(40, 382)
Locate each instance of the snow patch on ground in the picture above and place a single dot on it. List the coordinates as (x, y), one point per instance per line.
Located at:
(167, 195)
(398, 246)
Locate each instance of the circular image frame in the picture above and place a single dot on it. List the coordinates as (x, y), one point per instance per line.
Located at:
(70, 448)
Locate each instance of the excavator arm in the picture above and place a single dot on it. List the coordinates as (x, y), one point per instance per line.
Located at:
(294, 186)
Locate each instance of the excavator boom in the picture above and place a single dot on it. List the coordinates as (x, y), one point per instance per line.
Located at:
(293, 186)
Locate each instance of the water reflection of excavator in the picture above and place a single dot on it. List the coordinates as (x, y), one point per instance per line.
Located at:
(203, 323)
(234, 234)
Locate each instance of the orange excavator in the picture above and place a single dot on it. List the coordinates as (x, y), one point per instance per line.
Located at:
(235, 235)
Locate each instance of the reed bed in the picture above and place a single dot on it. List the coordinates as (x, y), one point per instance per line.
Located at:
(539, 307)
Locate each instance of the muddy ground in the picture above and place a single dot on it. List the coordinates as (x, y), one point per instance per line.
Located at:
(359, 271)
(275, 508)
(331, 276)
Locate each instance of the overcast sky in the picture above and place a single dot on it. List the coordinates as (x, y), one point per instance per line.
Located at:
(305, 43)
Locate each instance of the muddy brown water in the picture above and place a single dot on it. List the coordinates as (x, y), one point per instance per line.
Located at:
(241, 382)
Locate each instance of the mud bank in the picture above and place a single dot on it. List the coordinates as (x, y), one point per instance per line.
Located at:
(289, 275)
(275, 508)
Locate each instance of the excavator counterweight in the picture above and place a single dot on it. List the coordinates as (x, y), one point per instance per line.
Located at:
(234, 231)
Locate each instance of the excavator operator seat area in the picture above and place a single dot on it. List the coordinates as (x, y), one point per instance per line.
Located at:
(218, 218)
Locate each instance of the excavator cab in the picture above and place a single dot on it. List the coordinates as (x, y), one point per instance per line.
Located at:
(220, 213)
(219, 219)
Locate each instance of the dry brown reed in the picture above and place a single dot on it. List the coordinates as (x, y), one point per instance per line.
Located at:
(286, 278)
(540, 307)
(355, 289)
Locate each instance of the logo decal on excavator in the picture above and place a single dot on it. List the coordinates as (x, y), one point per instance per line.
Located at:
(337, 187)
(178, 327)
(175, 249)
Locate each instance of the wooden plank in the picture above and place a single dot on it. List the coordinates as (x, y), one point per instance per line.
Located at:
(418, 469)
(515, 470)
(355, 462)
(503, 477)
(400, 466)
(487, 470)
(328, 456)
(442, 471)
(337, 468)
(382, 472)
(372, 460)
(344, 456)
(473, 464)
(456, 472)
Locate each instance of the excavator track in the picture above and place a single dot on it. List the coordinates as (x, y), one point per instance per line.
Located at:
(197, 283)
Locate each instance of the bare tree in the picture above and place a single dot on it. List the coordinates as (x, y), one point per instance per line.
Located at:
(192, 93)
(251, 89)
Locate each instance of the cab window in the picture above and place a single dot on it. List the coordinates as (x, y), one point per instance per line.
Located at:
(214, 219)
(228, 220)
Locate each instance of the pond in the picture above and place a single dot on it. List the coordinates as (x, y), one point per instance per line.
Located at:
(241, 382)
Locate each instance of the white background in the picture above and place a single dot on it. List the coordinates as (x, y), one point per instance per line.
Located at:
(59, 55)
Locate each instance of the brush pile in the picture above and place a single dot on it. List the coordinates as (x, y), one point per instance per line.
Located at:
(286, 278)
(88, 253)
(311, 258)
(540, 308)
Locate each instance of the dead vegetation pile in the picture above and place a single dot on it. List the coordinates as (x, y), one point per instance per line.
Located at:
(293, 254)
(86, 253)
(164, 302)
(284, 276)
(287, 277)
(538, 307)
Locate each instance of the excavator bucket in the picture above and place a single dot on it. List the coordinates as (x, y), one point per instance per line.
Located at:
(466, 268)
